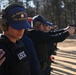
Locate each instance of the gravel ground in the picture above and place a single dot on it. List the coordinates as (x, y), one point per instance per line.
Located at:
(65, 60)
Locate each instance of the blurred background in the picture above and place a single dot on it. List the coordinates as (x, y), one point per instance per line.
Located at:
(59, 12)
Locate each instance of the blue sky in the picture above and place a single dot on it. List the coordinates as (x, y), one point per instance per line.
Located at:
(32, 4)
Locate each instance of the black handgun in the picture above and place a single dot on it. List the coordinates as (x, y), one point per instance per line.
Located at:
(73, 25)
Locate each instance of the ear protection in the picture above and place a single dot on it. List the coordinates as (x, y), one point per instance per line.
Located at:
(4, 24)
(39, 17)
(5, 14)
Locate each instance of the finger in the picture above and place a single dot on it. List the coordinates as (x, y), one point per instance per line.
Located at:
(2, 60)
(1, 54)
(1, 50)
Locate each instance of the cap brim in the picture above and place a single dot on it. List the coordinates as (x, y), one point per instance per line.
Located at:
(21, 25)
(48, 23)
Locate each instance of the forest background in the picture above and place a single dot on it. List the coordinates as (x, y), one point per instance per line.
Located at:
(60, 12)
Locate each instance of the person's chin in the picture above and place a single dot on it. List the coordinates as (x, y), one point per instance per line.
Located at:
(19, 37)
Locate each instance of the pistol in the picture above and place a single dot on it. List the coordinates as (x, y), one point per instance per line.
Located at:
(74, 25)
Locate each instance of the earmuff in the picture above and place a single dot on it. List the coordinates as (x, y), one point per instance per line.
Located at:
(4, 25)
(5, 14)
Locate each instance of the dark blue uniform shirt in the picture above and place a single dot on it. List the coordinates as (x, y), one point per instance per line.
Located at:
(34, 62)
(17, 61)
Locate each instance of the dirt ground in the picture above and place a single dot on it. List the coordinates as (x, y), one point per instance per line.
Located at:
(65, 60)
(68, 43)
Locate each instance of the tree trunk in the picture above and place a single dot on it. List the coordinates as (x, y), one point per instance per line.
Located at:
(11, 1)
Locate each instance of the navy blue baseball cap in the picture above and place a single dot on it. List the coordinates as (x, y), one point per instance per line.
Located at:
(41, 19)
(49, 23)
(17, 18)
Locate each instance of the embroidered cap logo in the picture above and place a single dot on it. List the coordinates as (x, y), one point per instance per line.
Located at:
(22, 15)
